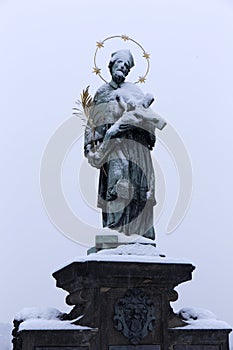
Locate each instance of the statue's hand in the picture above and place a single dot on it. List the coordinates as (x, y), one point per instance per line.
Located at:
(93, 155)
(94, 159)
(112, 131)
(98, 157)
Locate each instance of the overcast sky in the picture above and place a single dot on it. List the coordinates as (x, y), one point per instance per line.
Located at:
(47, 49)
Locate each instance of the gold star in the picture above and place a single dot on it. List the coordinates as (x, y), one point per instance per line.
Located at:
(146, 55)
(96, 70)
(142, 79)
(124, 37)
(100, 44)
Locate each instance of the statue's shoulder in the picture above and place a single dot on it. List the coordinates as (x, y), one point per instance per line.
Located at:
(133, 90)
(102, 89)
(102, 94)
(131, 87)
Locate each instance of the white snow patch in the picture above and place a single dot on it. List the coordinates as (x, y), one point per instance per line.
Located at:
(45, 318)
(39, 324)
(136, 252)
(46, 313)
(129, 92)
(207, 324)
(198, 318)
(132, 249)
(190, 313)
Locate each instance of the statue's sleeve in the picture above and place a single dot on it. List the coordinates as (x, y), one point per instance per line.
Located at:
(96, 146)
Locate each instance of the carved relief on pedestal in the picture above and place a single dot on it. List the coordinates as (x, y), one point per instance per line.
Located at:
(134, 315)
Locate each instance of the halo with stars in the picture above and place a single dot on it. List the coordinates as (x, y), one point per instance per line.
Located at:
(100, 45)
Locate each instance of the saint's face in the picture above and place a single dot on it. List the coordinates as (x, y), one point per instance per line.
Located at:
(122, 66)
(120, 70)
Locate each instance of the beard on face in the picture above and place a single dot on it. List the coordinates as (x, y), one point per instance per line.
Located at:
(118, 76)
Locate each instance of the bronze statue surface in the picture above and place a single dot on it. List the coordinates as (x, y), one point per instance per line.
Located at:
(119, 137)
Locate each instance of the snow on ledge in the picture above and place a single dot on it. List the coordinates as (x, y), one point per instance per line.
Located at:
(207, 324)
(136, 252)
(38, 318)
(198, 318)
(40, 324)
(47, 313)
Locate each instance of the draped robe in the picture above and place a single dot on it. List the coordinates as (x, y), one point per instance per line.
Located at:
(126, 192)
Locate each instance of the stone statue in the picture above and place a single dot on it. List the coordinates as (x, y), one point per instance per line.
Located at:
(119, 137)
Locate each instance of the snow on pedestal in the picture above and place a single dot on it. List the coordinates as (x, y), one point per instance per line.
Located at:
(121, 298)
(137, 252)
(198, 318)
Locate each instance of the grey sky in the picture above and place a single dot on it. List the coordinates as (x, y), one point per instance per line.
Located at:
(47, 51)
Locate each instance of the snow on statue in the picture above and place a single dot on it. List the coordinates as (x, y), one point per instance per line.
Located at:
(119, 137)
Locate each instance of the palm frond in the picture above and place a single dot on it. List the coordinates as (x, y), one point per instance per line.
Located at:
(86, 101)
(83, 105)
(78, 111)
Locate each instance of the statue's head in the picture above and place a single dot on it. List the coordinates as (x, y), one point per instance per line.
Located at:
(120, 64)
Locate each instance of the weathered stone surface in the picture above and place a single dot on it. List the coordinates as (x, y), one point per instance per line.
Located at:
(198, 339)
(96, 274)
(127, 304)
(96, 288)
(58, 340)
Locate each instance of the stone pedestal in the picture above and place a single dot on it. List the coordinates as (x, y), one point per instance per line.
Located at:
(56, 340)
(97, 287)
(127, 306)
